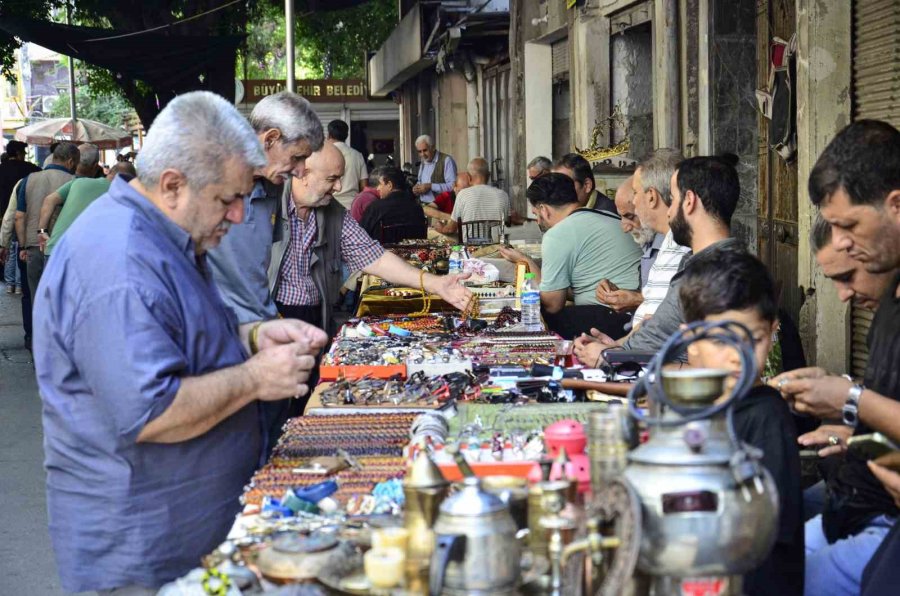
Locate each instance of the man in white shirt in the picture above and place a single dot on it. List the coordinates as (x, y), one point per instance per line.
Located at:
(652, 197)
(355, 174)
(480, 201)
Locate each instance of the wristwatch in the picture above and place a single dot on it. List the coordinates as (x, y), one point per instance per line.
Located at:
(43, 231)
(851, 406)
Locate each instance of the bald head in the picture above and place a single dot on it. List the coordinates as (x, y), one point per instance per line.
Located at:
(479, 170)
(320, 180)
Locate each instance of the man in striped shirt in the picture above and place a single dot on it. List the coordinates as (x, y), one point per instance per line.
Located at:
(652, 197)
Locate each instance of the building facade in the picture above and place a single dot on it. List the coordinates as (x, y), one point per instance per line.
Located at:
(769, 81)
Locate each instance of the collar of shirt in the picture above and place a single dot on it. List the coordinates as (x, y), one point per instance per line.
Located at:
(53, 166)
(654, 245)
(259, 190)
(126, 194)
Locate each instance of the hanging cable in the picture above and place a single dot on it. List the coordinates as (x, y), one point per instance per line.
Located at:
(726, 333)
(178, 22)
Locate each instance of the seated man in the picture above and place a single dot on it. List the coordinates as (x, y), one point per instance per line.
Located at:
(579, 169)
(705, 193)
(481, 201)
(395, 207)
(580, 247)
(444, 202)
(365, 198)
(735, 286)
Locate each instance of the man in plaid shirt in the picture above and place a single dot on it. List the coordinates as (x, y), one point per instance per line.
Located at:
(319, 234)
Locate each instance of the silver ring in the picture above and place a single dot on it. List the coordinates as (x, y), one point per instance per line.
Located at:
(783, 382)
(834, 440)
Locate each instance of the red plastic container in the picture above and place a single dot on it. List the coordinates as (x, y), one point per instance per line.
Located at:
(565, 433)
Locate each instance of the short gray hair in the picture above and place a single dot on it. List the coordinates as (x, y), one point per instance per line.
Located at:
(479, 167)
(424, 139)
(820, 235)
(196, 134)
(540, 163)
(292, 115)
(64, 152)
(90, 155)
(657, 168)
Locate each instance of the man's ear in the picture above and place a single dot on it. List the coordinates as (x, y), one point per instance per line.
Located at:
(892, 205)
(653, 198)
(172, 184)
(270, 137)
(689, 202)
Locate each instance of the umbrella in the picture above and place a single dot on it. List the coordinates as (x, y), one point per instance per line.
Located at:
(78, 131)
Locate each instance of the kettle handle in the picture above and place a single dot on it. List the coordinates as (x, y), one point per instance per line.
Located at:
(447, 548)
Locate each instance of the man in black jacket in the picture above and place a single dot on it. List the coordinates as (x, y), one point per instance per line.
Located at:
(395, 216)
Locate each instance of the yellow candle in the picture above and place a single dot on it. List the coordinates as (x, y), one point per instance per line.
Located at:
(396, 537)
(384, 566)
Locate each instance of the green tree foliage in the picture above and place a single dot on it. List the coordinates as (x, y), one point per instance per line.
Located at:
(328, 44)
(110, 109)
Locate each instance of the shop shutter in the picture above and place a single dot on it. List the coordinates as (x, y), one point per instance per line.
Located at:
(560, 59)
(497, 123)
(876, 95)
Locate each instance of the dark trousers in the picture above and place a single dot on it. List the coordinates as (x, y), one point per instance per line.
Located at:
(572, 321)
(276, 413)
(26, 298)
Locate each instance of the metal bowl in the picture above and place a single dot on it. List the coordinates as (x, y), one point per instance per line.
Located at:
(694, 386)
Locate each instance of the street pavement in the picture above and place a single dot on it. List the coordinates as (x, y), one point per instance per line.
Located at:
(27, 566)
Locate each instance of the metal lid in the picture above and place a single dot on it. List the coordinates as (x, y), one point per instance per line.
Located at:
(694, 386)
(471, 501)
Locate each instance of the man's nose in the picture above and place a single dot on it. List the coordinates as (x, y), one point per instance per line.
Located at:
(235, 213)
(840, 239)
(337, 186)
(845, 292)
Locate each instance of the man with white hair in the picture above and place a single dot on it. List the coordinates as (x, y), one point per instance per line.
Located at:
(89, 160)
(150, 413)
(289, 131)
(437, 171)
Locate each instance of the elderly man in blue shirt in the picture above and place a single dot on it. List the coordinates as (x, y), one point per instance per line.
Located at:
(437, 171)
(151, 389)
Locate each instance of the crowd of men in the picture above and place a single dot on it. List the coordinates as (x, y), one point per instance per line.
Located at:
(179, 307)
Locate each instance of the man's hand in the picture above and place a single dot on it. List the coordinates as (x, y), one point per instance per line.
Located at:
(826, 435)
(4, 253)
(43, 239)
(421, 188)
(589, 348)
(23, 254)
(512, 255)
(281, 371)
(890, 480)
(822, 397)
(450, 289)
(619, 300)
(810, 372)
(278, 332)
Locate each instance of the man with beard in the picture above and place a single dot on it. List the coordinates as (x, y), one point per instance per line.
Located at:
(652, 197)
(580, 247)
(705, 192)
(150, 388)
(288, 131)
(628, 300)
(856, 184)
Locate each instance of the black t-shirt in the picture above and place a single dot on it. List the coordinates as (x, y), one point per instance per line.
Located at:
(855, 496)
(882, 575)
(762, 419)
(397, 208)
(11, 172)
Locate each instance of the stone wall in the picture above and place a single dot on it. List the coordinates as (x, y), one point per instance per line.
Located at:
(733, 115)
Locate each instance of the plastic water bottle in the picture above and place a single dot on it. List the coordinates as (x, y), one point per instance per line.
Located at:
(531, 304)
(456, 261)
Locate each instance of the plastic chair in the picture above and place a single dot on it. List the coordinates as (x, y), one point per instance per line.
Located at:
(479, 231)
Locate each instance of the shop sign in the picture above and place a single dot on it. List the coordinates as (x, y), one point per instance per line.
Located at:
(315, 90)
